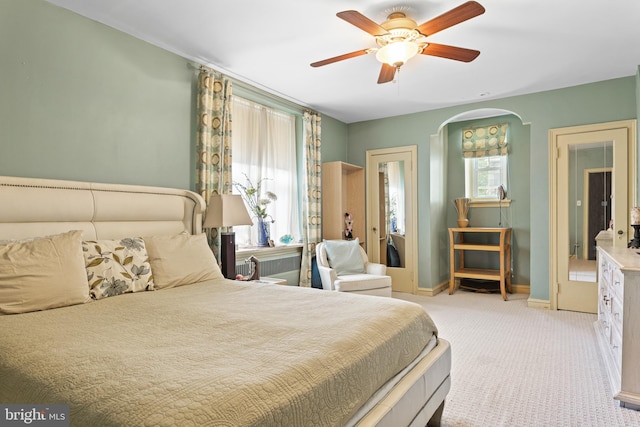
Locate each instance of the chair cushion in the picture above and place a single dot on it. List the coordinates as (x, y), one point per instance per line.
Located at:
(361, 282)
(344, 256)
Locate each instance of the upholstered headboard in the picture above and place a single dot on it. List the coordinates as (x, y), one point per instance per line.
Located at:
(31, 207)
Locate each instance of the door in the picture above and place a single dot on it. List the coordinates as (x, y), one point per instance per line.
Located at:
(575, 151)
(392, 214)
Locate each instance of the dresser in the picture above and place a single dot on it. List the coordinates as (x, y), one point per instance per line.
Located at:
(618, 324)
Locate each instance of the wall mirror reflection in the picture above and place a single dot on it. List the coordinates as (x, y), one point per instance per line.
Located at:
(590, 204)
(392, 196)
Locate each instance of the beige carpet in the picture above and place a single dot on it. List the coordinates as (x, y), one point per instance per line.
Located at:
(519, 366)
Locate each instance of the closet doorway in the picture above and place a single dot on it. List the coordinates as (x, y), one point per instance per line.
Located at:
(391, 176)
(582, 157)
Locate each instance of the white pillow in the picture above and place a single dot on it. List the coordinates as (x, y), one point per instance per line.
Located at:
(43, 273)
(344, 256)
(181, 260)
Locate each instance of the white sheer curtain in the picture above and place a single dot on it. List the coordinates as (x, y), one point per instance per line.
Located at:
(264, 147)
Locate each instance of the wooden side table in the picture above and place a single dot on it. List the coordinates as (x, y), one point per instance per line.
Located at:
(503, 247)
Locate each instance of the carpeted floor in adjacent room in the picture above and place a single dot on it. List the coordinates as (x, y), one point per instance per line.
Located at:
(519, 366)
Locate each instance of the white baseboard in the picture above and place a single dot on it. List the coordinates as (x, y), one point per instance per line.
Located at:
(444, 286)
(539, 303)
(520, 289)
(430, 292)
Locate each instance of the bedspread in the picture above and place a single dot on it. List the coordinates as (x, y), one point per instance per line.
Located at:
(217, 353)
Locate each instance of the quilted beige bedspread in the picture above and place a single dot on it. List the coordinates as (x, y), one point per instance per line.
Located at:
(217, 353)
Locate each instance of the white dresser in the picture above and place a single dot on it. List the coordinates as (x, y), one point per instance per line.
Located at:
(618, 324)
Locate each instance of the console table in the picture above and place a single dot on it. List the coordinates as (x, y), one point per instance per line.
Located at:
(503, 248)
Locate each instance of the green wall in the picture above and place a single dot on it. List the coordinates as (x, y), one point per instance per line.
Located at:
(605, 101)
(334, 140)
(82, 101)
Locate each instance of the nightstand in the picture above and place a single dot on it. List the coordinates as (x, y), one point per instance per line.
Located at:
(271, 280)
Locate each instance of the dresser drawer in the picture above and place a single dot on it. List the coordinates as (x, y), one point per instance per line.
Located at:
(616, 347)
(617, 283)
(604, 302)
(604, 270)
(616, 313)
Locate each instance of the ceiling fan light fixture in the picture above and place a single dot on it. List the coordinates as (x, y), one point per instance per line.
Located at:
(397, 54)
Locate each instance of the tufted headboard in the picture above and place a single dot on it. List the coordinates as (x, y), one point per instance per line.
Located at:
(31, 207)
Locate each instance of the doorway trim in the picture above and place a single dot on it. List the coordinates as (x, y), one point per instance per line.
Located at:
(554, 135)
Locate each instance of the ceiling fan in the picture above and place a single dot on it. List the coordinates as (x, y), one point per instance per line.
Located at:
(399, 38)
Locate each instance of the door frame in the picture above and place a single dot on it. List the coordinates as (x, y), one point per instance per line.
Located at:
(373, 157)
(554, 135)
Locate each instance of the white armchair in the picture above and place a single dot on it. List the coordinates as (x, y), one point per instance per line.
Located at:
(345, 267)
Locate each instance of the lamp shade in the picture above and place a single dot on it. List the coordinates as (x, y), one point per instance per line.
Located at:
(635, 216)
(226, 210)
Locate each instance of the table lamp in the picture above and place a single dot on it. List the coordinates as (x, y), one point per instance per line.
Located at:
(635, 223)
(227, 210)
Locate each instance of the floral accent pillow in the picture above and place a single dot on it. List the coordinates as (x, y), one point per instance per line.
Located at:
(116, 267)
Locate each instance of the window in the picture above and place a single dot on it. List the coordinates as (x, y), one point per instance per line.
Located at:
(484, 175)
(264, 150)
(485, 154)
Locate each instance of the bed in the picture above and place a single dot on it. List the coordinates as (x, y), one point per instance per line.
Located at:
(181, 345)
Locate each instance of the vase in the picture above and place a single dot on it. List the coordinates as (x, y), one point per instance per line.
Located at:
(263, 233)
(463, 222)
(462, 207)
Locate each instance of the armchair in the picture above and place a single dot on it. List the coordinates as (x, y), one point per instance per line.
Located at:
(344, 267)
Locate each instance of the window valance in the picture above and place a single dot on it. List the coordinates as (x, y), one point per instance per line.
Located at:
(485, 141)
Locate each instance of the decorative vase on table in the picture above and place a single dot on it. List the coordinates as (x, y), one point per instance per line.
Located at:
(462, 207)
(264, 234)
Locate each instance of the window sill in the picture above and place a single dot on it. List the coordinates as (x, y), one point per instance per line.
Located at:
(489, 203)
(260, 251)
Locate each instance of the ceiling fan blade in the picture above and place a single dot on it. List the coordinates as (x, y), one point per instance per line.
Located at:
(340, 58)
(359, 20)
(451, 52)
(448, 19)
(387, 73)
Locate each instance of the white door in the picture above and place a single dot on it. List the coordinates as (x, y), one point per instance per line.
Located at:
(391, 214)
(578, 150)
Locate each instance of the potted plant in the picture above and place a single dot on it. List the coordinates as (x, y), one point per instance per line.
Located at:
(257, 202)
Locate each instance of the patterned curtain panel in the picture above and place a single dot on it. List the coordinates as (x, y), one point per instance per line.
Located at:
(311, 194)
(485, 141)
(213, 140)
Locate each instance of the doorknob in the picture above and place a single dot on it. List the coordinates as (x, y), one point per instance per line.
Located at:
(620, 232)
(375, 230)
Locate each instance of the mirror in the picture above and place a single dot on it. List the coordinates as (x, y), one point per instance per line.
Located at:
(392, 213)
(590, 205)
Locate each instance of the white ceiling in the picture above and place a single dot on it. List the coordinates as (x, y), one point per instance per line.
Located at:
(526, 46)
